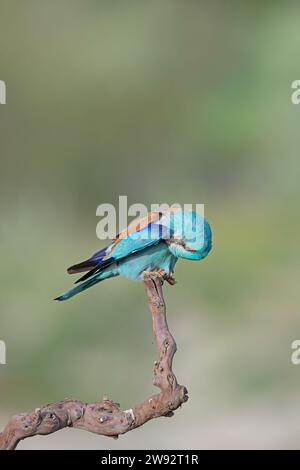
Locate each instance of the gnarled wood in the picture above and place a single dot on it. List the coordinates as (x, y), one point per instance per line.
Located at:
(105, 417)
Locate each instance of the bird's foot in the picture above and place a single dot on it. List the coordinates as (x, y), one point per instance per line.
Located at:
(161, 275)
(171, 279)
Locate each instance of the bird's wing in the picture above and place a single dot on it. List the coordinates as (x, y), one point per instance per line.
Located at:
(142, 222)
(90, 263)
(136, 225)
(134, 242)
(103, 254)
(152, 234)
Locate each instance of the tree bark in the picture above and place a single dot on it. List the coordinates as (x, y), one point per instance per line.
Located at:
(105, 417)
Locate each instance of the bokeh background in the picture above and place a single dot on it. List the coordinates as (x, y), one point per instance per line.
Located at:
(168, 101)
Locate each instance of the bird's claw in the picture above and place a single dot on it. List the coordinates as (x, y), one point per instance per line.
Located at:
(171, 279)
(161, 275)
(153, 275)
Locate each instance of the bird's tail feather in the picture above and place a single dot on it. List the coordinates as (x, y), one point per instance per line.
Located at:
(88, 283)
(89, 263)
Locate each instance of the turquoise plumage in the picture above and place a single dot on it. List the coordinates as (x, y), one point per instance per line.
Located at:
(150, 245)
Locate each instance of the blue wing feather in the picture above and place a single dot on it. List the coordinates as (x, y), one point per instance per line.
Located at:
(139, 240)
(134, 242)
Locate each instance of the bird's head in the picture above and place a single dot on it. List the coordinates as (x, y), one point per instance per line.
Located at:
(192, 237)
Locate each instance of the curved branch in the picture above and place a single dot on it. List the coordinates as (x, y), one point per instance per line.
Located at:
(105, 417)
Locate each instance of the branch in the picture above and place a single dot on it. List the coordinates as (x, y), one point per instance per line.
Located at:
(105, 417)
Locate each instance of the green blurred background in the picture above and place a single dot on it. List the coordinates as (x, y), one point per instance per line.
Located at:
(167, 101)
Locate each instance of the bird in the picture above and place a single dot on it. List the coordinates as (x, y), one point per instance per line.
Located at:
(148, 248)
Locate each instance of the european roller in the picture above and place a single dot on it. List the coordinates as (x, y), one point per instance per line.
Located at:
(150, 246)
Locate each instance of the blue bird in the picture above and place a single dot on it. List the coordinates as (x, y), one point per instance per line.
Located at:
(149, 246)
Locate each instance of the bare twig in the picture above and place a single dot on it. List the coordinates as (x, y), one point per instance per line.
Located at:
(105, 417)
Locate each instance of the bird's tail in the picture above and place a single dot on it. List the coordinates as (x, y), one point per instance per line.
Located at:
(98, 277)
